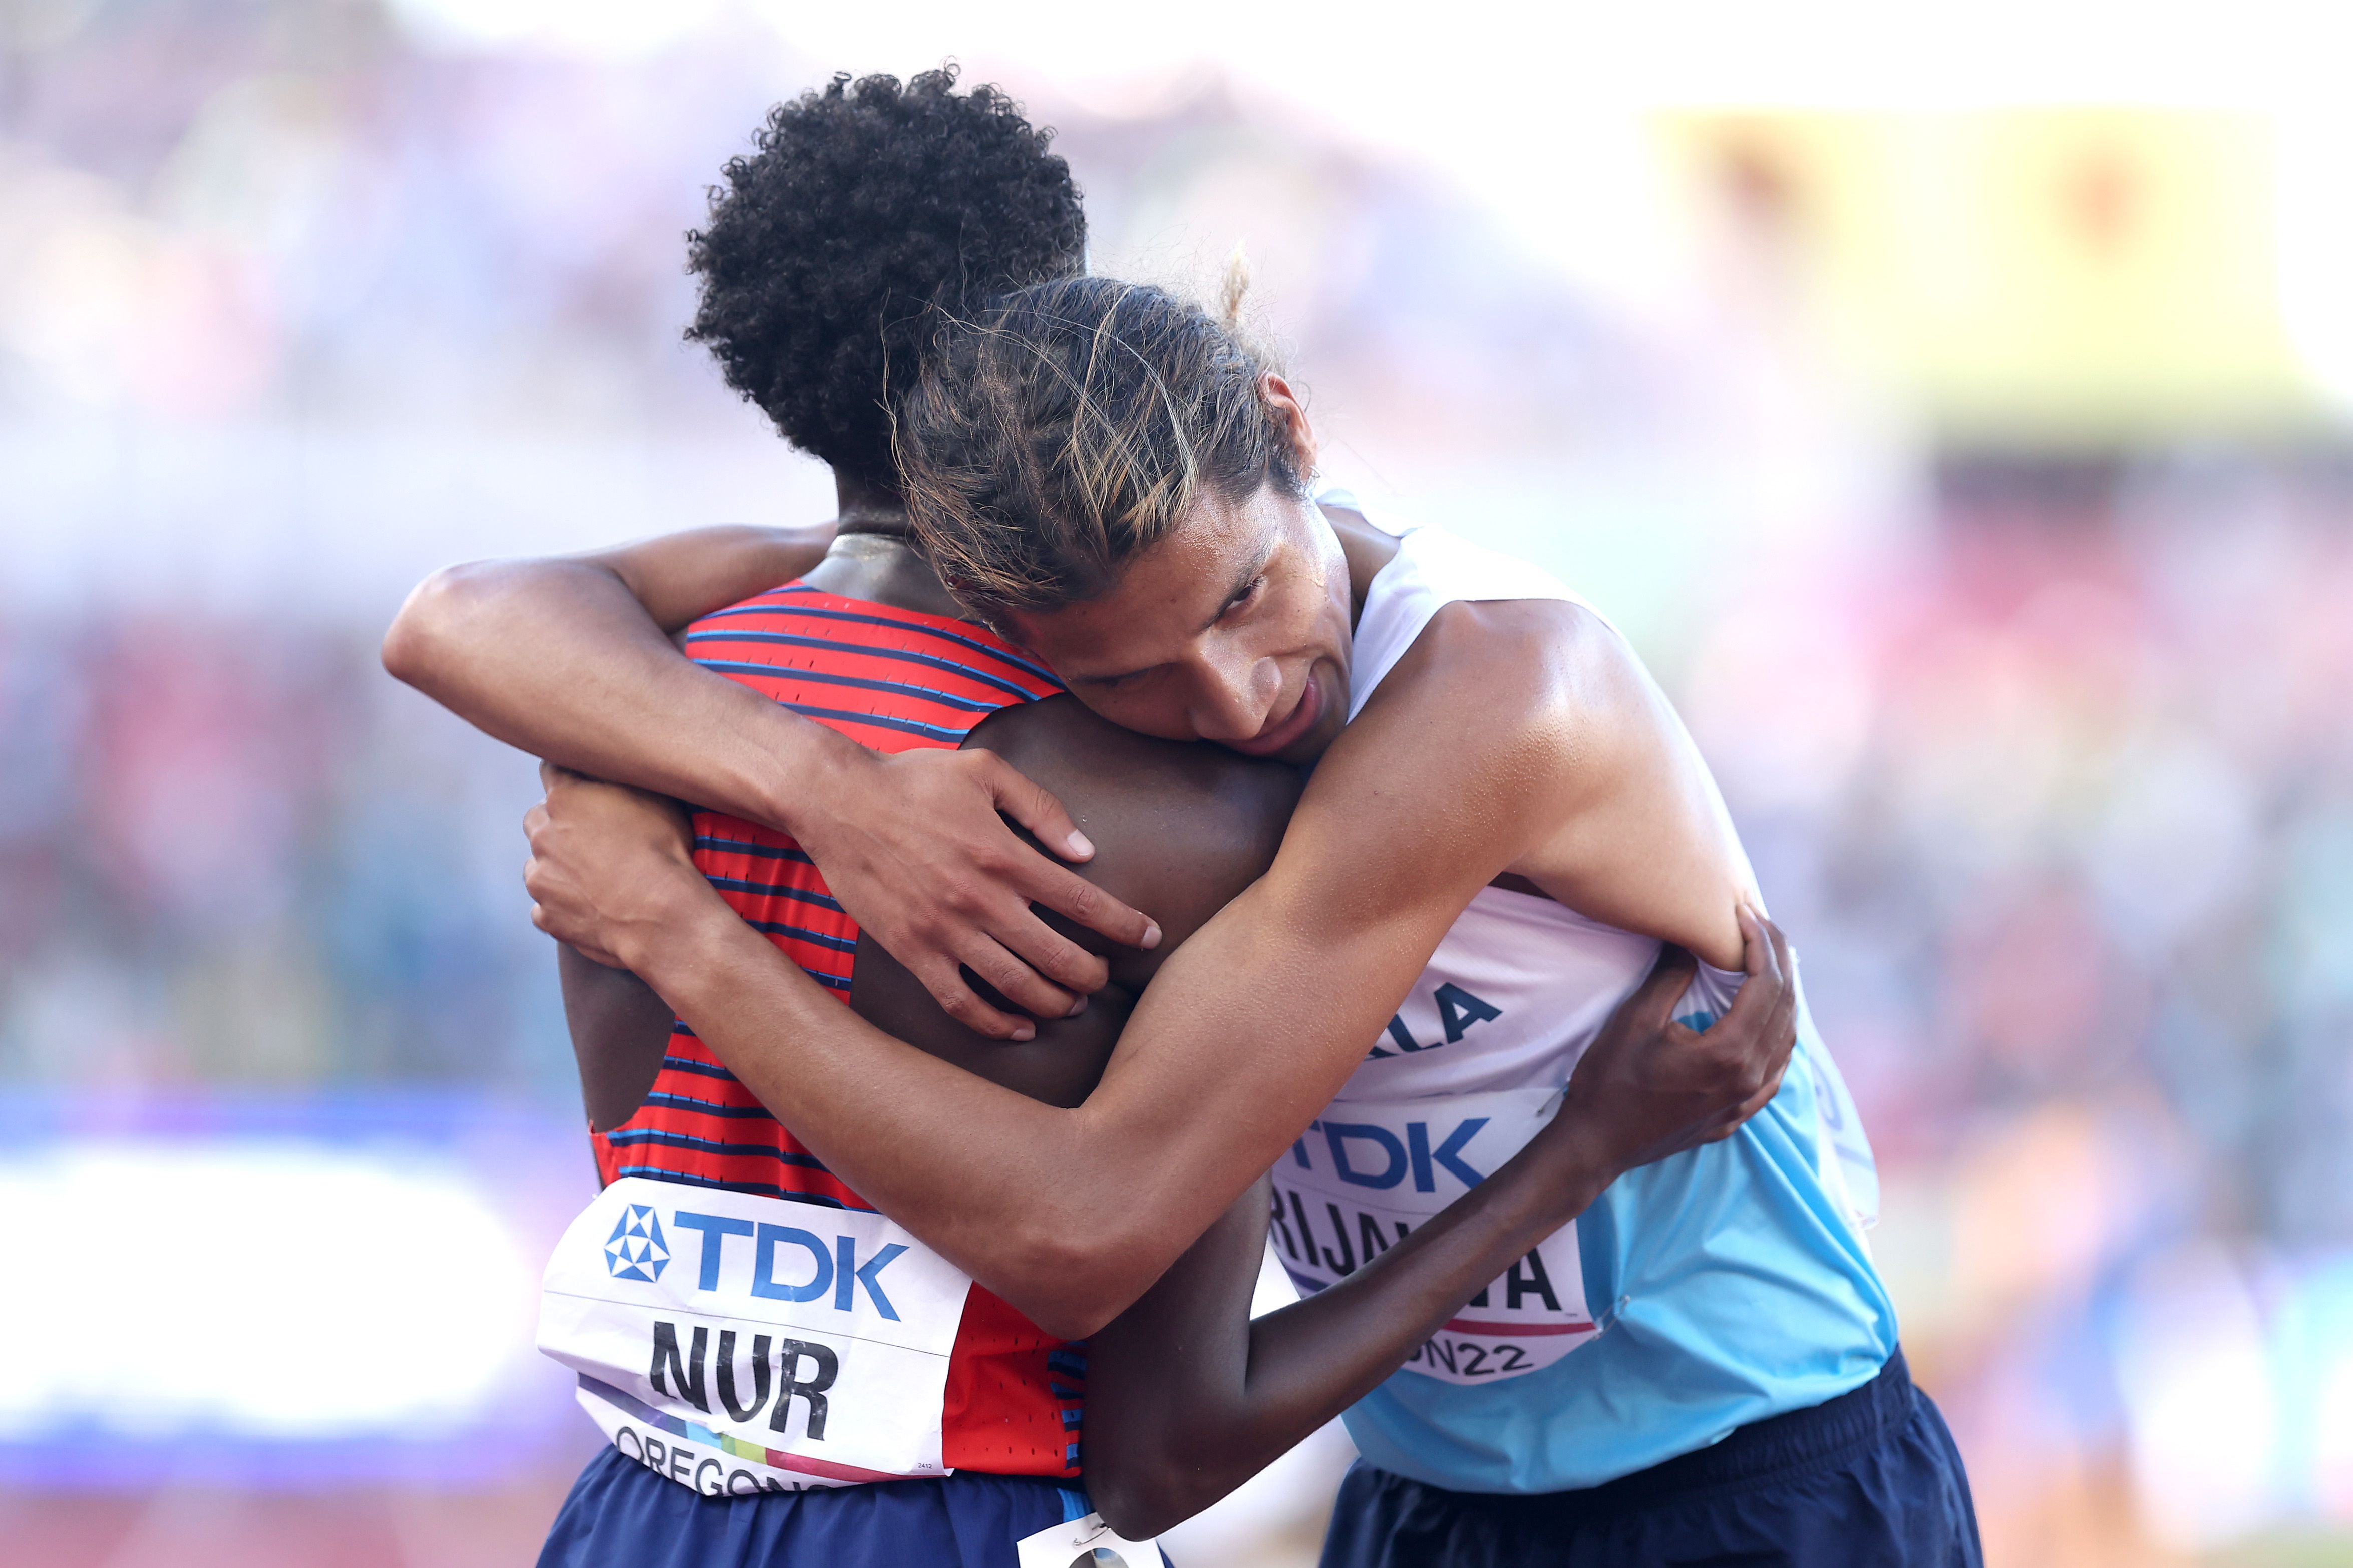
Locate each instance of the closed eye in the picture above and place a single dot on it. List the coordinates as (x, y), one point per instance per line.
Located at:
(1243, 600)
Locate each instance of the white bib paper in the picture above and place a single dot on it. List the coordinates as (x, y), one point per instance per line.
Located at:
(738, 1343)
(1086, 1543)
(1370, 1172)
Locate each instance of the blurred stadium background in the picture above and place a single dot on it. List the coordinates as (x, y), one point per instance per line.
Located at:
(1952, 402)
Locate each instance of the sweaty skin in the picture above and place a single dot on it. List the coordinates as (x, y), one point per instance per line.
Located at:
(571, 660)
(1188, 1397)
(1516, 738)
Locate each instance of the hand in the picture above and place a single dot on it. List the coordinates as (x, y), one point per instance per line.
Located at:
(610, 866)
(914, 846)
(1648, 1087)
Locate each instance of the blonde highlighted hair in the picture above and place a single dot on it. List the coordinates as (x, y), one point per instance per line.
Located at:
(1070, 427)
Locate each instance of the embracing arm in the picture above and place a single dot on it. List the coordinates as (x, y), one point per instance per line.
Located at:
(1188, 1397)
(570, 658)
(1245, 1034)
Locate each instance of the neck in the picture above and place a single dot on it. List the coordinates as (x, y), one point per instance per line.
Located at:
(863, 507)
(873, 556)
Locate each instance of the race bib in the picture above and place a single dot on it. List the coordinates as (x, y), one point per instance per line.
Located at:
(738, 1343)
(1086, 1543)
(1370, 1172)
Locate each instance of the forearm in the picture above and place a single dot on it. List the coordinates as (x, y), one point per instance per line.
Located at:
(1069, 1215)
(1182, 1408)
(980, 1171)
(560, 658)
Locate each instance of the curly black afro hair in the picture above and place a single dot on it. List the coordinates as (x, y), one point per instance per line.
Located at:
(866, 205)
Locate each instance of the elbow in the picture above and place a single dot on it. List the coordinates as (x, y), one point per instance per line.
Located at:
(1142, 1500)
(1135, 1513)
(1073, 1279)
(418, 644)
(456, 616)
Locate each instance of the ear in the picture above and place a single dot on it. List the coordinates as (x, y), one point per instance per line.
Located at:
(1291, 414)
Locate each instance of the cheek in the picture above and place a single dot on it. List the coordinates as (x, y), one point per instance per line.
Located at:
(1164, 714)
(1300, 624)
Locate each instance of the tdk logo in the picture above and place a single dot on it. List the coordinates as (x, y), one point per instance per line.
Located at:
(1414, 1156)
(636, 1250)
(778, 1263)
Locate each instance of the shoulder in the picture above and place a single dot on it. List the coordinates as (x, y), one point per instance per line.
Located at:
(1179, 828)
(1510, 681)
(1196, 788)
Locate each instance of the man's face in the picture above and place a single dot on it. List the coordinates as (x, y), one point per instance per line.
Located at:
(1234, 628)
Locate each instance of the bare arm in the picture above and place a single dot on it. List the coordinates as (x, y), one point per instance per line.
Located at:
(1188, 1397)
(570, 658)
(619, 1028)
(1249, 1030)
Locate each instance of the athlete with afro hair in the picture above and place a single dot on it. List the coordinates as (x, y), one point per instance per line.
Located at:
(866, 206)
(897, 1411)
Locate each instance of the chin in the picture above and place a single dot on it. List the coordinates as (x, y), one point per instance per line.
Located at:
(1328, 725)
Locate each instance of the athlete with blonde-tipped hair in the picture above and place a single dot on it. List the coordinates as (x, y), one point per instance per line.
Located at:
(786, 1376)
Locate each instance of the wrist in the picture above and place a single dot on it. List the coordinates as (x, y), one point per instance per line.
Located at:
(1567, 1168)
(680, 921)
(804, 771)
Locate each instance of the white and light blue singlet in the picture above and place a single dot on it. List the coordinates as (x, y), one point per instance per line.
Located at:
(1718, 1288)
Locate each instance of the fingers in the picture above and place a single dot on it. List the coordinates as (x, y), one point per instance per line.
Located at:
(1788, 966)
(1054, 955)
(1040, 880)
(1652, 1006)
(1016, 981)
(1766, 992)
(1018, 797)
(1747, 1109)
(944, 980)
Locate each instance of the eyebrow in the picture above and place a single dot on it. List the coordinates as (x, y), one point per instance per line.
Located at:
(1242, 581)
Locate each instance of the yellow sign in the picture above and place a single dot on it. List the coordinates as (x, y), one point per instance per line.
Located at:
(2039, 275)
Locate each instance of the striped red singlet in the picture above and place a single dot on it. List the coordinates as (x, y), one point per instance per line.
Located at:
(894, 681)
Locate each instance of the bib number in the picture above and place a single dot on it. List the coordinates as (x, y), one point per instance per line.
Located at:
(1370, 1172)
(738, 1343)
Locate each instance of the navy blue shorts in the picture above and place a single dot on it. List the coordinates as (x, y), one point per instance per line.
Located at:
(1870, 1480)
(622, 1515)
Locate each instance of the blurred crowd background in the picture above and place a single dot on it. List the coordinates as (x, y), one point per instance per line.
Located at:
(1955, 411)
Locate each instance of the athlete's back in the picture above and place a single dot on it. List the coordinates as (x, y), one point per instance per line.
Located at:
(857, 645)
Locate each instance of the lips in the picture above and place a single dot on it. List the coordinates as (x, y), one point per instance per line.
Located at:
(1302, 718)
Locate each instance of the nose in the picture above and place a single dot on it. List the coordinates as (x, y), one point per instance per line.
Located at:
(1233, 697)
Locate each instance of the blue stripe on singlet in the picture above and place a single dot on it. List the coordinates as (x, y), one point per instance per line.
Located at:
(744, 847)
(898, 654)
(843, 715)
(687, 1103)
(662, 1139)
(802, 933)
(765, 1189)
(1040, 671)
(879, 722)
(776, 890)
(825, 677)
